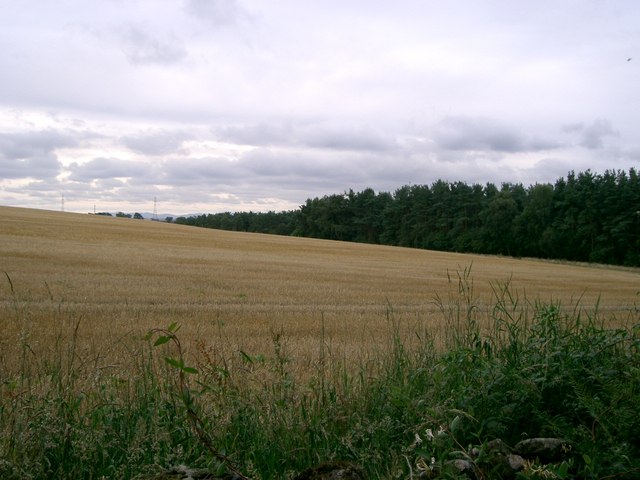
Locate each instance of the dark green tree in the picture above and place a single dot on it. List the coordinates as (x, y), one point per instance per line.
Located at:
(583, 217)
(532, 226)
(498, 222)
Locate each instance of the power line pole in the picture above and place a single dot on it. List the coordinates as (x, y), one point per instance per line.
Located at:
(155, 209)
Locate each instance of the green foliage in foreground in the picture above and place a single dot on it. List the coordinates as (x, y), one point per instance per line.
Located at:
(538, 371)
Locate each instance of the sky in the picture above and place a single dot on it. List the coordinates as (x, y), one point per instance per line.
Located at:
(236, 105)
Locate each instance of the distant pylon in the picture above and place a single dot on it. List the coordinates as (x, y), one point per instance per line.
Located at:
(155, 209)
(62, 203)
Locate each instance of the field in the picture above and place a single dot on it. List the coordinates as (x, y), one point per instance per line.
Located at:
(82, 290)
(118, 276)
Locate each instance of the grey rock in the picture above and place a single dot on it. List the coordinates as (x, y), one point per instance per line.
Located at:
(495, 460)
(333, 471)
(546, 450)
(183, 472)
(497, 447)
(516, 462)
(465, 467)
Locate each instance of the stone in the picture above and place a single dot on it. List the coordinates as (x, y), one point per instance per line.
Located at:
(546, 450)
(495, 460)
(516, 462)
(497, 447)
(333, 471)
(183, 472)
(464, 467)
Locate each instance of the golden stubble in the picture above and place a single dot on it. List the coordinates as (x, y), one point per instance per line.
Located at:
(114, 279)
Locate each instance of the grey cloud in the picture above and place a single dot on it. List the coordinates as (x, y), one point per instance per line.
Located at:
(548, 170)
(258, 134)
(572, 128)
(306, 166)
(156, 143)
(538, 144)
(466, 133)
(31, 144)
(313, 173)
(106, 168)
(32, 154)
(39, 189)
(108, 184)
(549, 167)
(141, 47)
(44, 166)
(205, 172)
(591, 136)
(633, 154)
(459, 133)
(267, 169)
(314, 135)
(216, 12)
(347, 138)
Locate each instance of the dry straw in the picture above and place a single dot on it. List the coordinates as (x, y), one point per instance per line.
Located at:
(117, 278)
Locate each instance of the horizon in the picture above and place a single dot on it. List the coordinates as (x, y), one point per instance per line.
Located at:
(147, 214)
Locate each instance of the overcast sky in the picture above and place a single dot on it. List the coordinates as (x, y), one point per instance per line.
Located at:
(215, 105)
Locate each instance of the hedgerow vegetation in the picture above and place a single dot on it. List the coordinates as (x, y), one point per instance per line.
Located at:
(510, 369)
(584, 217)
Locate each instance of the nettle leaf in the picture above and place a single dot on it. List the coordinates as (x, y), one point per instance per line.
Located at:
(174, 327)
(189, 370)
(161, 340)
(174, 363)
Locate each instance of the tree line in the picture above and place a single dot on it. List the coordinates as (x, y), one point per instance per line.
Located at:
(583, 217)
(137, 216)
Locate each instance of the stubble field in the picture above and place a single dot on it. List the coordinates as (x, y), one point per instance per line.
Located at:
(104, 279)
(298, 351)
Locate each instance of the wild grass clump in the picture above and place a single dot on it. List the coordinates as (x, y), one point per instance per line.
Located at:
(539, 371)
(512, 369)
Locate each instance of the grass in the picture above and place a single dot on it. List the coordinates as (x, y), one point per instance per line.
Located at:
(295, 352)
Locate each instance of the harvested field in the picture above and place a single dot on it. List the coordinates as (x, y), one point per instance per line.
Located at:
(105, 279)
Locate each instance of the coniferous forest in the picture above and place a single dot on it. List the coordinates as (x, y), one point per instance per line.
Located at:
(584, 217)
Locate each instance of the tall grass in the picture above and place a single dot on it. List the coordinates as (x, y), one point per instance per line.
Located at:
(511, 369)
